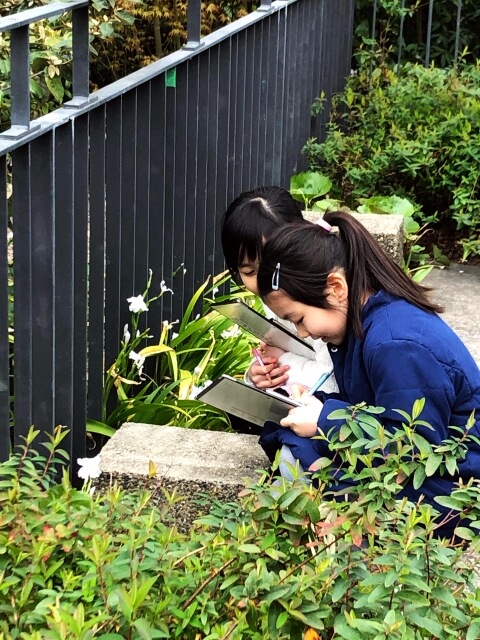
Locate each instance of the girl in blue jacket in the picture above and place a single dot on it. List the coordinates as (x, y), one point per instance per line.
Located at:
(388, 345)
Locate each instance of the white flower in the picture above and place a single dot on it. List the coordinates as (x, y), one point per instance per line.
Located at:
(196, 390)
(214, 292)
(137, 304)
(184, 270)
(89, 467)
(174, 335)
(126, 334)
(169, 325)
(137, 358)
(164, 288)
(233, 332)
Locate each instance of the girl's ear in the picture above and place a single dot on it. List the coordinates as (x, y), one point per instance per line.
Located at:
(337, 286)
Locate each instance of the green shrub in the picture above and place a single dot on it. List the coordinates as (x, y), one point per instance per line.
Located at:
(415, 135)
(281, 563)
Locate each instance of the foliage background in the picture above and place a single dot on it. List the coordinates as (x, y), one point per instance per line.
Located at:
(415, 29)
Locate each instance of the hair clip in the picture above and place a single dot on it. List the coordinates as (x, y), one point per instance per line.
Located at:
(276, 278)
(324, 225)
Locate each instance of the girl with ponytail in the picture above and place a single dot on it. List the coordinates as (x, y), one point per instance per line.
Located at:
(388, 344)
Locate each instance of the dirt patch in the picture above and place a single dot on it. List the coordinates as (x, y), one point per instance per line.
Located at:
(447, 238)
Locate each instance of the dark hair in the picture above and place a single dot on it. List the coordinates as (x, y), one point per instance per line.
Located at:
(308, 254)
(251, 218)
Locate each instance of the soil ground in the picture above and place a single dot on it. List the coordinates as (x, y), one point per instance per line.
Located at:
(447, 238)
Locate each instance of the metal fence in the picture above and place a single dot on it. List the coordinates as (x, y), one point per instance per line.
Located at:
(134, 177)
(419, 35)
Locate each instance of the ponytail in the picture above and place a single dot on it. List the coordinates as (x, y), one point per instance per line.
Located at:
(308, 253)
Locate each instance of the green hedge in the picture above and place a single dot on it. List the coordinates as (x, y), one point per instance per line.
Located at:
(281, 563)
(416, 134)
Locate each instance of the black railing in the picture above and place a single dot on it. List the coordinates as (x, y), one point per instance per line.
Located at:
(420, 37)
(135, 178)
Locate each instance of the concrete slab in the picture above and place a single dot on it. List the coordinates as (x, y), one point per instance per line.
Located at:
(183, 454)
(457, 288)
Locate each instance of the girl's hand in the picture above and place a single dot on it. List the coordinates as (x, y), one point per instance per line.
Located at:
(303, 420)
(269, 375)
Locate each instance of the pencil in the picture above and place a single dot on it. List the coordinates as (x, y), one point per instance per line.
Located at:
(258, 358)
(323, 378)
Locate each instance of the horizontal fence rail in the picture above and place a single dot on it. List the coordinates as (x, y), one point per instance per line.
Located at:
(136, 179)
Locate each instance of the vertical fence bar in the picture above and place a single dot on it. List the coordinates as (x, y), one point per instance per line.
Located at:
(429, 33)
(4, 318)
(374, 28)
(80, 269)
(43, 303)
(191, 169)
(96, 280)
(457, 31)
(156, 187)
(180, 229)
(400, 37)
(142, 195)
(127, 205)
(194, 24)
(113, 165)
(20, 70)
(22, 267)
(64, 289)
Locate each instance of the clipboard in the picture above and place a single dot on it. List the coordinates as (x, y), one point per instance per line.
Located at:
(247, 402)
(265, 329)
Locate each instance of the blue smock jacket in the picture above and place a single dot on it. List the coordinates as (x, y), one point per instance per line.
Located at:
(405, 354)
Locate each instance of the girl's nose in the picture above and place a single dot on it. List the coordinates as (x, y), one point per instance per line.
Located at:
(302, 333)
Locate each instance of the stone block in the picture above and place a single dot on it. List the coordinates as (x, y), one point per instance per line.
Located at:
(386, 229)
(195, 465)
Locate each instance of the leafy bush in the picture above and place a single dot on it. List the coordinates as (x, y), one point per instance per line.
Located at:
(281, 563)
(416, 134)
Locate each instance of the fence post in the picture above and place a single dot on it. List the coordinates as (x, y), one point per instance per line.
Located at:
(265, 5)
(194, 24)
(81, 57)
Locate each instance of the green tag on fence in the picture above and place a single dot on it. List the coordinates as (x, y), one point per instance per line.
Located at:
(171, 78)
